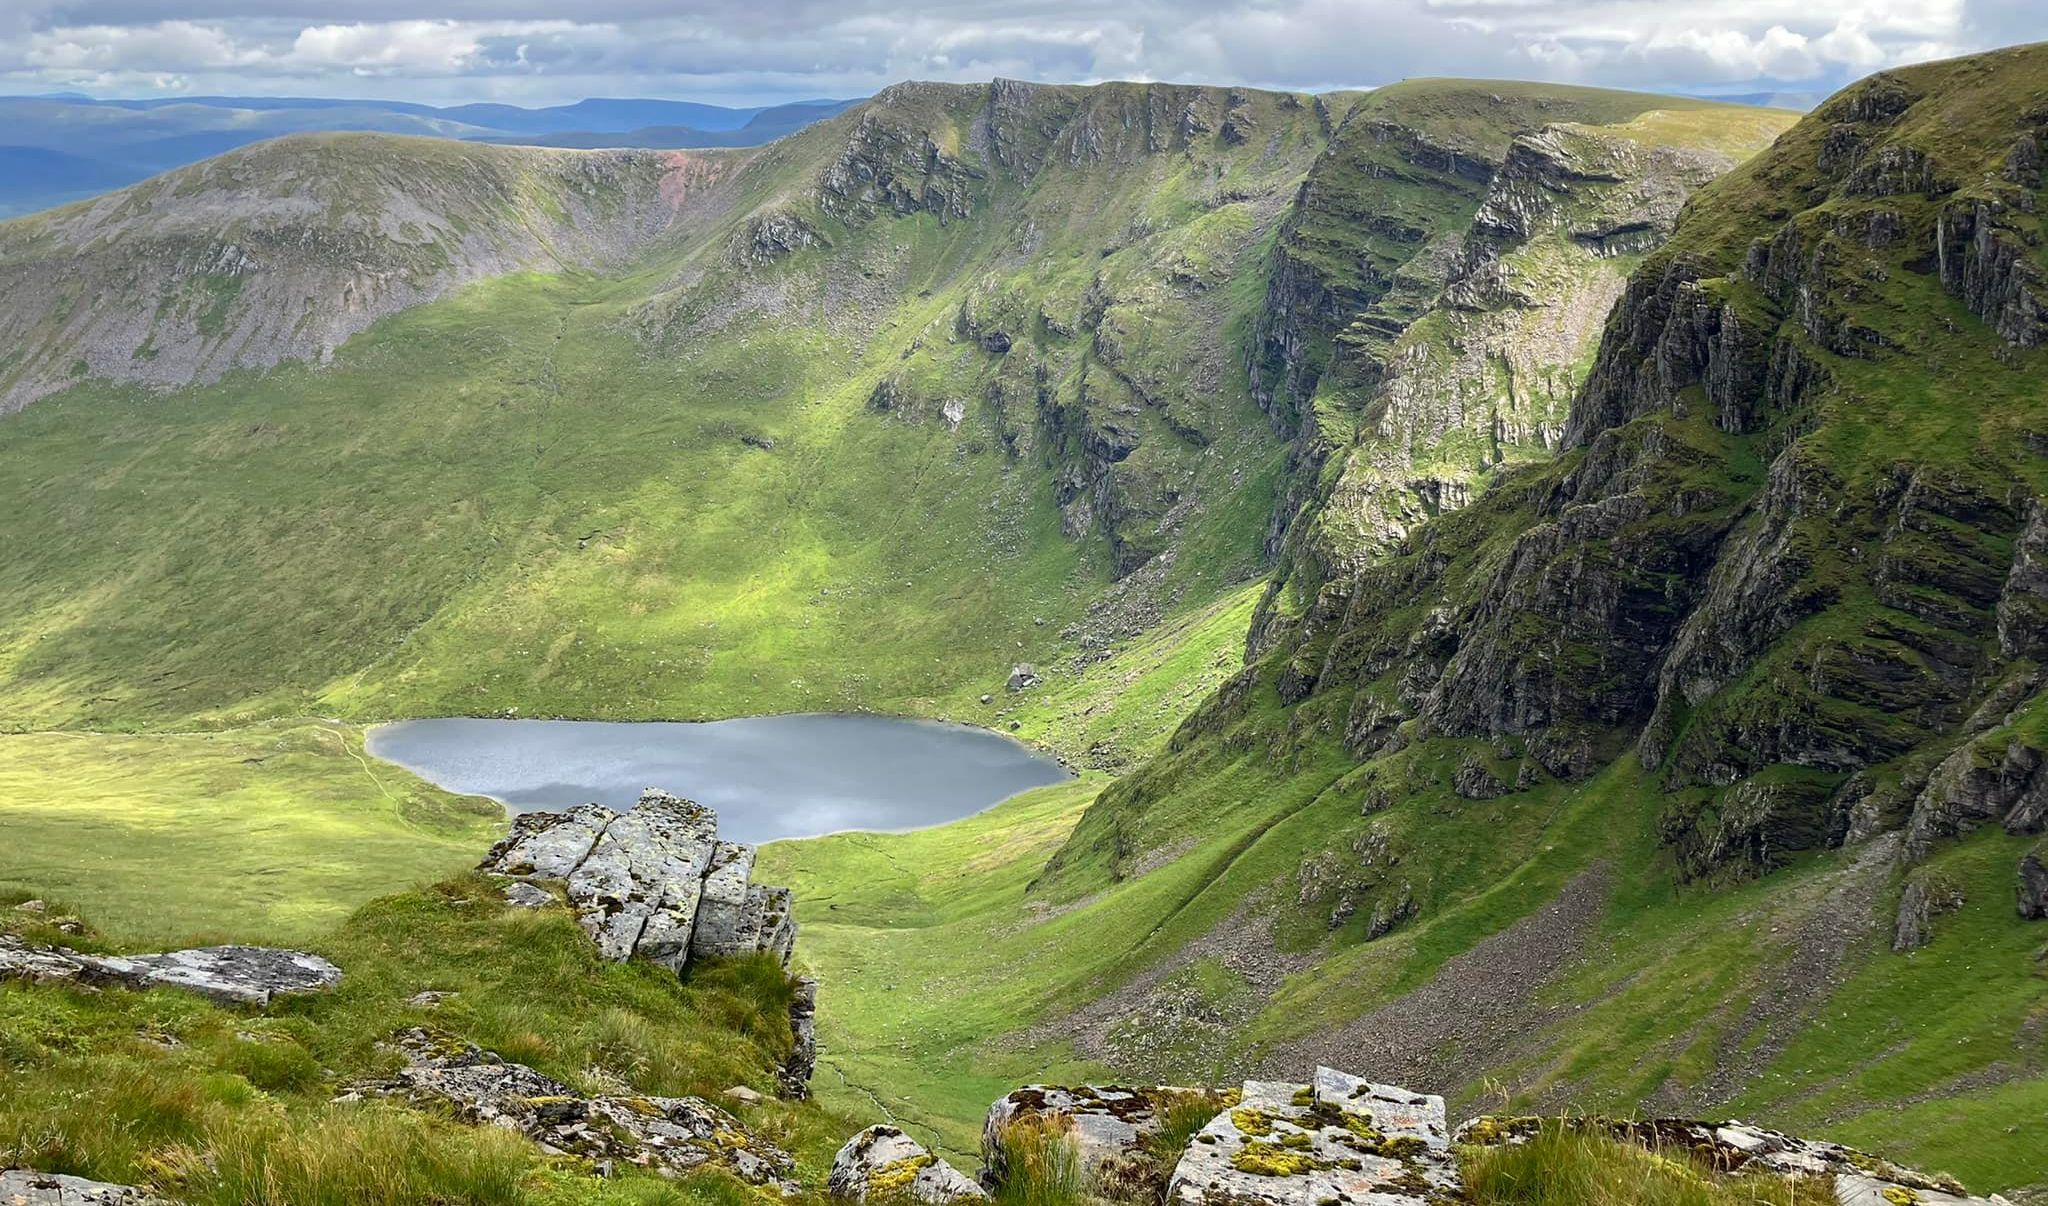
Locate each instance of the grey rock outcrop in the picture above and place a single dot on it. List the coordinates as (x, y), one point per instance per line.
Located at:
(1023, 676)
(671, 1135)
(883, 1162)
(522, 895)
(654, 882)
(23, 1187)
(1926, 897)
(241, 975)
(1982, 782)
(1340, 1138)
(1106, 1125)
(1860, 1178)
(2033, 888)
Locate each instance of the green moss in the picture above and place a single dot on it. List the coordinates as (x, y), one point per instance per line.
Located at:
(1263, 1159)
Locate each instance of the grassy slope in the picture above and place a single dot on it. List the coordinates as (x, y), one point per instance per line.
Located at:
(270, 833)
(220, 1105)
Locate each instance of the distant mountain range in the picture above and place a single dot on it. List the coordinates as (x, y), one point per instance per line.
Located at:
(63, 147)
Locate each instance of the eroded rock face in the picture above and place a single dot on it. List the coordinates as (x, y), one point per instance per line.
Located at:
(21, 1187)
(654, 882)
(794, 1077)
(1861, 1179)
(672, 1135)
(2034, 884)
(1107, 1126)
(885, 1163)
(240, 975)
(1983, 782)
(1338, 1139)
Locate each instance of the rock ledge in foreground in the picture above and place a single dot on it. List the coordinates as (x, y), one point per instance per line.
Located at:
(1861, 1179)
(22, 1187)
(671, 1135)
(241, 975)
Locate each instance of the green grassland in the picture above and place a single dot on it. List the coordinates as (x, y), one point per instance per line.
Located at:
(215, 1104)
(273, 833)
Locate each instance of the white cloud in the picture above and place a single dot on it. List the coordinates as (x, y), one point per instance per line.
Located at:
(546, 50)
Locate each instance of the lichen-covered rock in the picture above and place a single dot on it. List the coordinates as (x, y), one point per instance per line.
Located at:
(722, 904)
(241, 975)
(883, 1162)
(1107, 1125)
(1340, 1139)
(25, 1187)
(1860, 1178)
(637, 890)
(654, 882)
(672, 1135)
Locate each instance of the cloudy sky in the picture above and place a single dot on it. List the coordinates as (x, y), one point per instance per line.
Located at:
(760, 51)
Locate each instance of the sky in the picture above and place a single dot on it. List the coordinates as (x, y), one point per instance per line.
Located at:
(749, 52)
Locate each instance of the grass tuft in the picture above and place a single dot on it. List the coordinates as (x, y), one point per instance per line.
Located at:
(1041, 1165)
(1561, 1167)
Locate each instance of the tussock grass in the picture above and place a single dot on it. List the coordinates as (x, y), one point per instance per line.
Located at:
(1041, 1165)
(1560, 1167)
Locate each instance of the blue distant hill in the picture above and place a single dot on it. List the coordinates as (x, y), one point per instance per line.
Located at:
(60, 147)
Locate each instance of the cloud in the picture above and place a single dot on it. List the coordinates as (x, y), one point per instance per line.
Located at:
(545, 50)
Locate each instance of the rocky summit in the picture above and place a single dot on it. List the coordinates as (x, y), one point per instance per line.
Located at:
(653, 882)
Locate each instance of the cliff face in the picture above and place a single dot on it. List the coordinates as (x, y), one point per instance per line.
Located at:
(1789, 551)
(1092, 234)
(282, 251)
(1412, 360)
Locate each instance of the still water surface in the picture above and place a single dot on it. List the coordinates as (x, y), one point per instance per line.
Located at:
(768, 776)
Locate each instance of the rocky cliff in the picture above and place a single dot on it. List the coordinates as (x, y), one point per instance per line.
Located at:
(1438, 293)
(1787, 550)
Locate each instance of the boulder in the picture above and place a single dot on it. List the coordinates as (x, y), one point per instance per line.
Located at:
(884, 1162)
(241, 975)
(654, 882)
(2034, 884)
(1023, 677)
(1339, 1139)
(522, 895)
(1927, 897)
(23, 1187)
(1860, 1178)
(671, 1135)
(1107, 1125)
